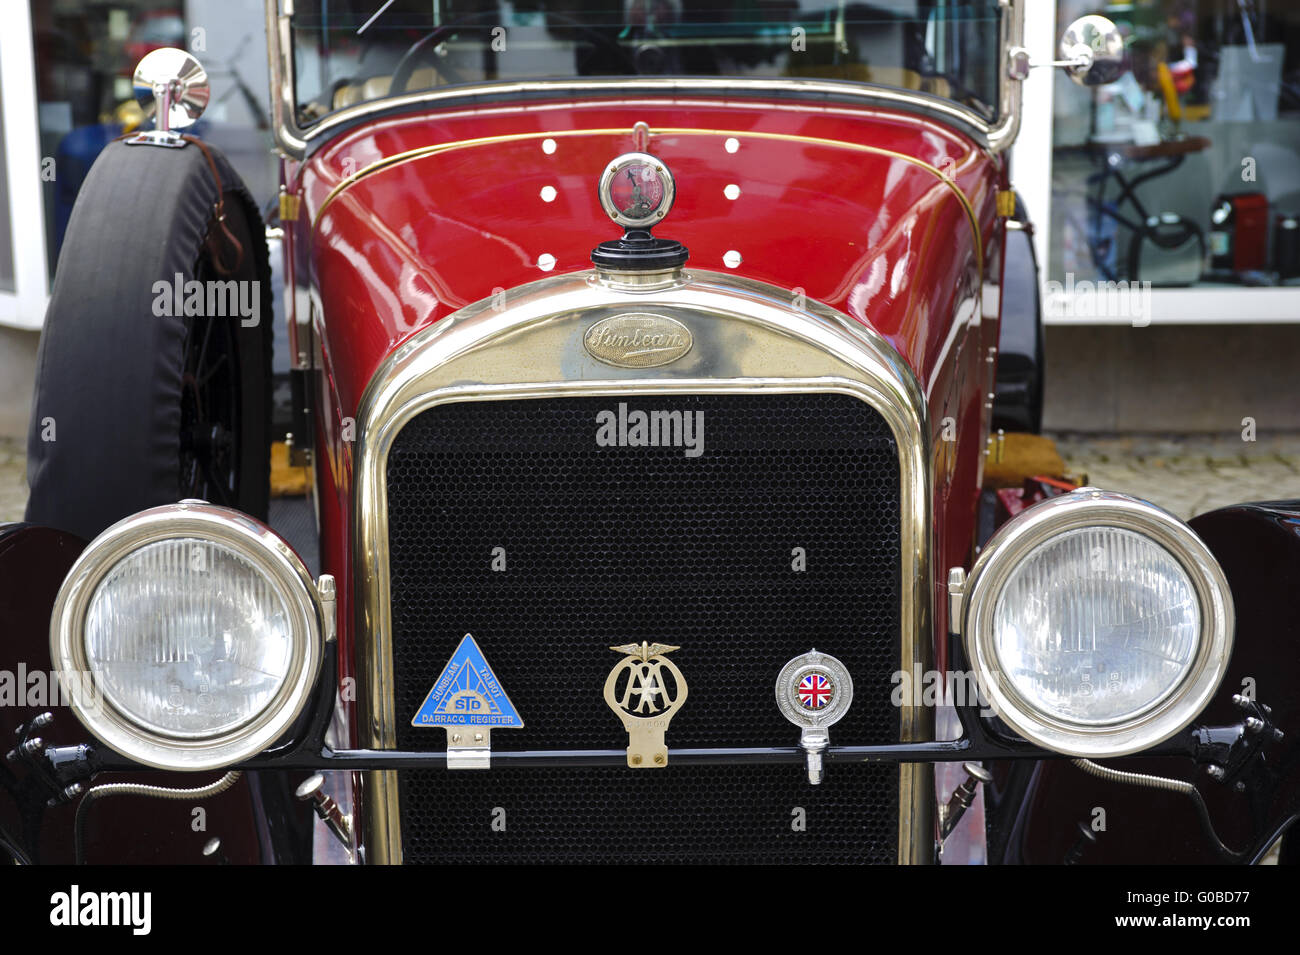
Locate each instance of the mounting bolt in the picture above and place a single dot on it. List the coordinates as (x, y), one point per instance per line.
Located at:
(1254, 724)
(962, 798)
(1239, 786)
(212, 850)
(636, 759)
(1240, 701)
(660, 759)
(1215, 772)
(33, 746)
(45, 719)
(67, 795)
(1086, 839)
(312, 790)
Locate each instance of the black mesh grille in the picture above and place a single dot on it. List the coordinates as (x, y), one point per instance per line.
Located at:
(681, 814)
(612, 545)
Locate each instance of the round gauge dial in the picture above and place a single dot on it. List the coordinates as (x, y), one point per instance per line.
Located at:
(636, 190)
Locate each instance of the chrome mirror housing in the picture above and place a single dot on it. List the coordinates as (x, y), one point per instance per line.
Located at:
(174, 85)
(1092, 51)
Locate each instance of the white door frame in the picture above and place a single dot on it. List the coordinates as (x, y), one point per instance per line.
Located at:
(1031, 156)
(24, 307)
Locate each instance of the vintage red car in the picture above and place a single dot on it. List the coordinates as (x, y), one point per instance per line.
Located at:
(645, 357)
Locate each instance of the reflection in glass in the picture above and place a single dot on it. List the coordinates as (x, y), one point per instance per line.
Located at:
(1187, 171)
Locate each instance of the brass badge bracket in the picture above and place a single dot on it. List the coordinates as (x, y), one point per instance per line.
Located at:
(647, 702)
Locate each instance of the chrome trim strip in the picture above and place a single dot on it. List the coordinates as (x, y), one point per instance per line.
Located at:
(748, 339)
(293, 142)
(1002, 135)
(1084, 508)
(279, 55)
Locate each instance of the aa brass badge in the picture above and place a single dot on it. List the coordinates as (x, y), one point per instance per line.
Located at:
(645, 689)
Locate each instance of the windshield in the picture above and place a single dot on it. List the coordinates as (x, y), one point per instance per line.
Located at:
(351, 51)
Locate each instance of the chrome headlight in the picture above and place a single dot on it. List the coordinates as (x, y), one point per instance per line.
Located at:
(1097, 624)
(188, 637)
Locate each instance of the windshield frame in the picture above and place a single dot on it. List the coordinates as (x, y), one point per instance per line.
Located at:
(296, 143)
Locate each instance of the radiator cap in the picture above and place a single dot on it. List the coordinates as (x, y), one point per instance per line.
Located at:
(637, 190)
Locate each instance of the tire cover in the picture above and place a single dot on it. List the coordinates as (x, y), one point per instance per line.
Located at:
(109, 371)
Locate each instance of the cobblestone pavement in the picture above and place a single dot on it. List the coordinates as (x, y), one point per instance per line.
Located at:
(1187, 474)
(13, 480)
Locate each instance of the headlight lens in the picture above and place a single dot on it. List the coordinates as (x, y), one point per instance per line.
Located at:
(1096, 625)
(188, 638)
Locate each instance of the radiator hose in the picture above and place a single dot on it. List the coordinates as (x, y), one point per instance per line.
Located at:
(140, 789)
(1169, 785)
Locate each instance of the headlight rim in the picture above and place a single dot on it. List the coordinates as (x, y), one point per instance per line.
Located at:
(261, 547)
(1090, 508)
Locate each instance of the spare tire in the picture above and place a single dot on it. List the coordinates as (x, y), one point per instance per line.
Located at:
(138, 405)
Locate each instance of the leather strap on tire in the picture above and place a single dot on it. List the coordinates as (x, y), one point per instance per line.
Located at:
(218, 233)
(226, 261)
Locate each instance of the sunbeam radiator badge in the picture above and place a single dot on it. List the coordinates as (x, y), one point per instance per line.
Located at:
(814, 691)
(645, 689)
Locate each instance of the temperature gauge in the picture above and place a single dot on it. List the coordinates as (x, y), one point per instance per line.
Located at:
(636, 190)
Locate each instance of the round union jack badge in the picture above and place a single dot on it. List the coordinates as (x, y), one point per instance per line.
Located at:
(813, 691)
(816, 690)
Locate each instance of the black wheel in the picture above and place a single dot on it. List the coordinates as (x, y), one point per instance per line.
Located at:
(137, 405)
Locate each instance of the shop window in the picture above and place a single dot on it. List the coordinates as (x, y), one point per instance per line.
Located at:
(1187, 171)
(86, 52)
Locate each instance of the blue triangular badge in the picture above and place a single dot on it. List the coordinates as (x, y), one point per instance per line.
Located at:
(467, 693)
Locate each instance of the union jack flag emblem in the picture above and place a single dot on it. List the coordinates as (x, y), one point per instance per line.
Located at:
(814, 691)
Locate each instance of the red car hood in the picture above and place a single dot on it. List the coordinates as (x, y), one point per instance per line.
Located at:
(879, 214)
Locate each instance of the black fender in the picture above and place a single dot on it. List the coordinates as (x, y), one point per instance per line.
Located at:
(1018, 389)
(33, 562)
(257, 819)
(1035, 808)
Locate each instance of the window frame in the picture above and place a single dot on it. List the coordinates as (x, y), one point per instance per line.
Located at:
(296, 142)
(24, 307)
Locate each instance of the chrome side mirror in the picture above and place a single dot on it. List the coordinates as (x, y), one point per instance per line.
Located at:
(1092, 53)
(175, 85)
(1094, 48)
